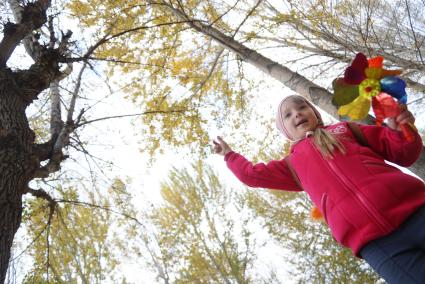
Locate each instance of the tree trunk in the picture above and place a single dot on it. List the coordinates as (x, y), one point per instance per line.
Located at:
(16, 140)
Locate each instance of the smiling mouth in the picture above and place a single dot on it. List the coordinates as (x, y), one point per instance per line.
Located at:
(301, 122)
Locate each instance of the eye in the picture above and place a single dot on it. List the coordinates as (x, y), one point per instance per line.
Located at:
(287, 115)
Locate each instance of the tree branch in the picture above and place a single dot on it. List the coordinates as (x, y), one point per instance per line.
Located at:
(87, 204)
(75, 95)
(30, 48)
(106, 38)
(33, 16)
(43, 151)
(128, 115)
(56, 122)
(417, 45)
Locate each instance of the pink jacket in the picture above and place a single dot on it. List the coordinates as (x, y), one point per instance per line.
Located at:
(361, 197)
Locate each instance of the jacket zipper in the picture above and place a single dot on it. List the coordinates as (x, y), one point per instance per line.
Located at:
(383, 224)
(324, 204)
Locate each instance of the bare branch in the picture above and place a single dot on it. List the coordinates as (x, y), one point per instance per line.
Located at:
(87, 204)
(129, 115)
(56, 122)
(52, 37)
(52, 207)
(413, 32)
(247, 16)
(30, 245)
(225, 13)
(75, 95)
(60, 133)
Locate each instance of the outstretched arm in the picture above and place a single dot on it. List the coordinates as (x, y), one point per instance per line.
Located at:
(273, 175)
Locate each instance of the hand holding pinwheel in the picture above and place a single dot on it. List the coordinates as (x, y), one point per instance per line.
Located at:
(365, 82)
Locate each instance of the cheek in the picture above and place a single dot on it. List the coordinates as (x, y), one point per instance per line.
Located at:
(288, 126)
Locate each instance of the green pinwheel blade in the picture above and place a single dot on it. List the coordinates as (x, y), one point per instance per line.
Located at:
(344, 93)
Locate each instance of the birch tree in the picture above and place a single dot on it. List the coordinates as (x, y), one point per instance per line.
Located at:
(209, 21)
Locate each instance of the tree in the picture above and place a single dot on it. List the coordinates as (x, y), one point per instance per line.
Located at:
(81, 241)
(199, 236)
(27, 154)
(213, 27)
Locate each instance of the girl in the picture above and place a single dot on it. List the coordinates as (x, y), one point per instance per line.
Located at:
(370, 206)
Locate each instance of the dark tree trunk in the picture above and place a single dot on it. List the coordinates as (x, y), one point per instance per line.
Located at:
(16, 163)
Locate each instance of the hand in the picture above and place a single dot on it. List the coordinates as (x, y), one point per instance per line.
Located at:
(221, 147)
(405, 117)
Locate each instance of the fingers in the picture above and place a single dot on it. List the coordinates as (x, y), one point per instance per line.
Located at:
(217, 148)
(220, 140)
(405, 117)
(391, 123)
(220, 146)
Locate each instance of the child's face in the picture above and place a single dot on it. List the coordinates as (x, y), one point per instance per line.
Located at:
(298, 118)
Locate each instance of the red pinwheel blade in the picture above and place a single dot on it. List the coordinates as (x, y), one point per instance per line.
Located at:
(355, 73)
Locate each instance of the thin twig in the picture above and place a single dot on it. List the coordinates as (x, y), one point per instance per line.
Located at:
(129, 115)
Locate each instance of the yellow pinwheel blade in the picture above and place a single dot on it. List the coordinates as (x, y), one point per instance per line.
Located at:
(357, 109)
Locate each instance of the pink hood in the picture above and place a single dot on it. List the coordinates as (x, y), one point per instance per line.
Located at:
(279, 115)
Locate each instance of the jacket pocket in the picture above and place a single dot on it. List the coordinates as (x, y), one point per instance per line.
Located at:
(341, 228)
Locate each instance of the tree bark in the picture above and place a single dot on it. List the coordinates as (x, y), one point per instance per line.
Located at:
(16, 163)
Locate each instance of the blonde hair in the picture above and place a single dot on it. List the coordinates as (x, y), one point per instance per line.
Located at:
(323, 140)
(327, 143)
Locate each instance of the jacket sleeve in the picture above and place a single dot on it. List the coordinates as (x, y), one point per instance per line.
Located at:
(392, 145)
(273, 175)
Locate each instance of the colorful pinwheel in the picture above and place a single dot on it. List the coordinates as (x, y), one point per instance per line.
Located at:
(367, 83)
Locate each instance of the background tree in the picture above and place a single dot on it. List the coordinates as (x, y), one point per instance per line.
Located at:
(82, 241)
(199, 235)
